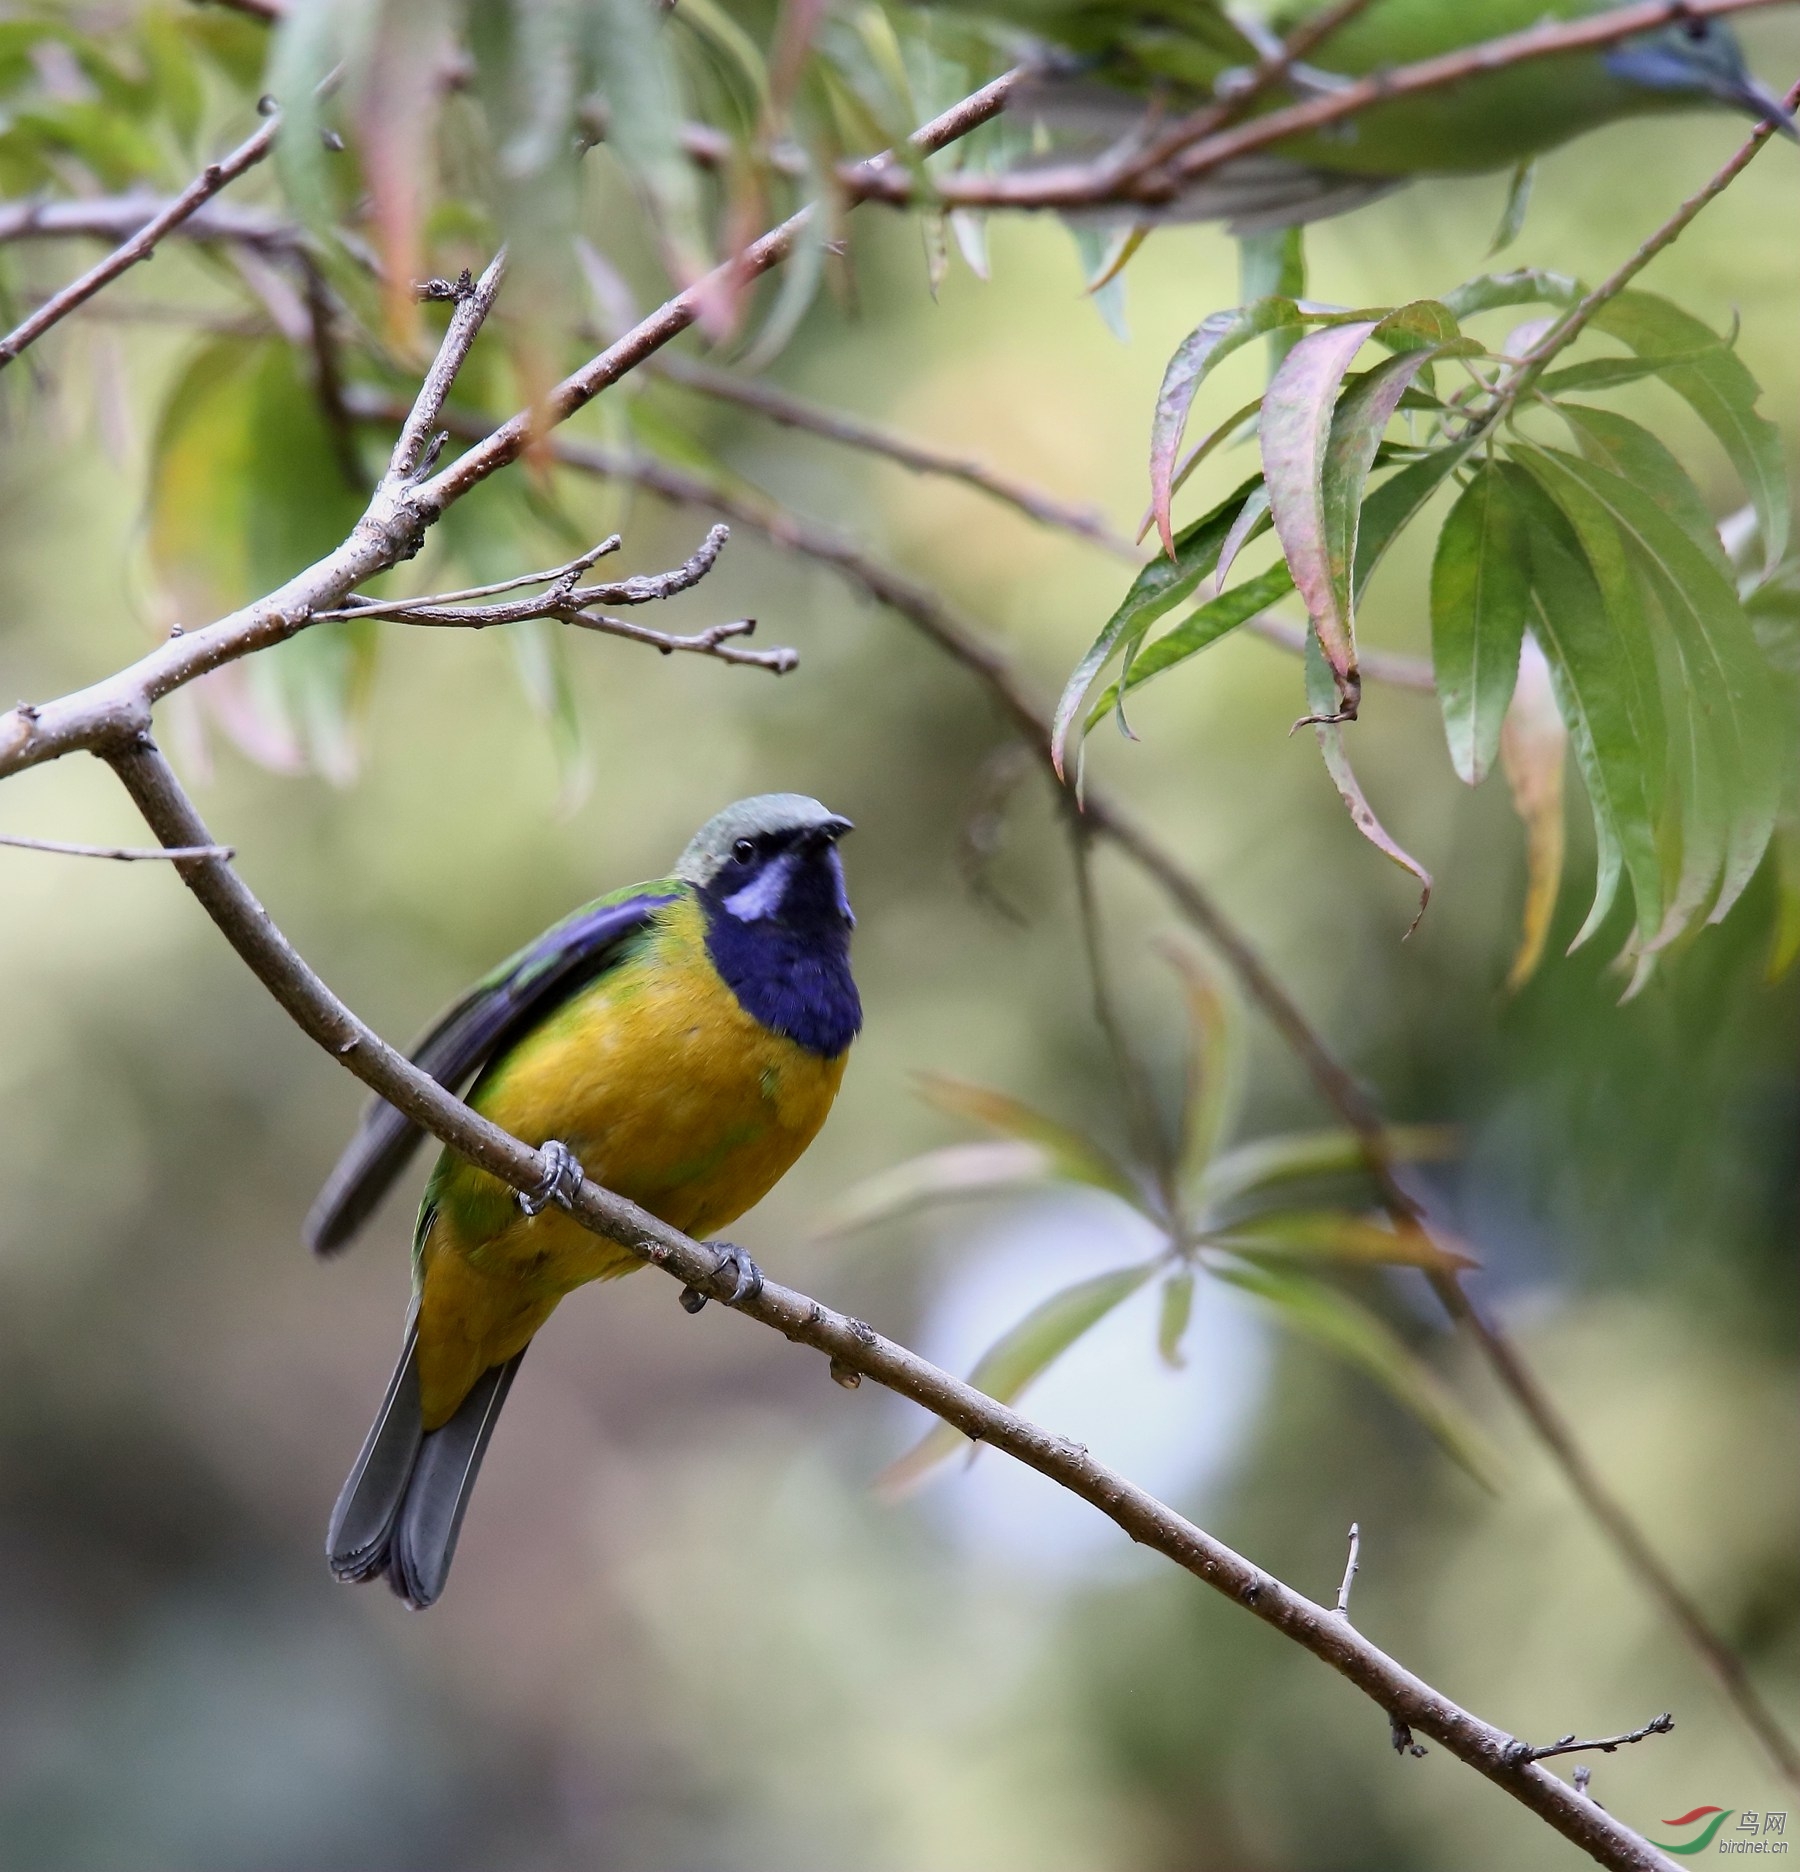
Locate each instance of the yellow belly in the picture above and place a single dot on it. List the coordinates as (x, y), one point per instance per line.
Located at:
(667, 1091)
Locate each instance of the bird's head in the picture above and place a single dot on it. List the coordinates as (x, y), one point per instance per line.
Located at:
(1699, 57)
(772, 859)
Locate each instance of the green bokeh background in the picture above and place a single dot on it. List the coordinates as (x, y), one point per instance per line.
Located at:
(682, 1633)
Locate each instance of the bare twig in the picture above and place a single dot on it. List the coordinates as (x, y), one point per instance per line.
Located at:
(570, 602)
(125, 854)
(473, 299)
(1567, 1745)
(855, 1347)
(142, 244)
(119, 217)
(1343, 1599)
(792, 412)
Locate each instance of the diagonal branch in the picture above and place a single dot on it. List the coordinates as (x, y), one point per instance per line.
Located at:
(792, 412)
(142, 244)
(125, 854)
(855, 1347)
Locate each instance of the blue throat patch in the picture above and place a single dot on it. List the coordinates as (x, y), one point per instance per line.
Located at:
(790, 966)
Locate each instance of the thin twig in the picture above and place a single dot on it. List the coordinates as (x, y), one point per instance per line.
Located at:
(119, 217)
(1343, 1599)
(474, 299)
(142, 244)
(1567, 1745)
(1573, 323)
(125, 854)
(792, 412)
(1392, 667)
(570, 602)
(856, 1347)
(1152, 1146)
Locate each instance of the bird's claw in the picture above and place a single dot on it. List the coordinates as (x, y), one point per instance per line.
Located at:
(745, 1276)
(562, 1173)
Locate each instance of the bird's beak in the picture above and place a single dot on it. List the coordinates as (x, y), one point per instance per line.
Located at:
(830, 832)
(1757, 100)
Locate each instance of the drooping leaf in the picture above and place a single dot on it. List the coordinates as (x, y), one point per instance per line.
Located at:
(958, 1170)
(1334, 1235)
(1021, 1355)
(1209, 344)
(1518, 202)
(1534, 744)
(1396, 503)
(1332, 1319)
(1728, 682)
(1075, 1157)
(1609, 373)
(1156, 590)
(1096, 248)
(1271, 1164)
(1199, 630)
(1321, 695)
(1718, 386)
(245, 491)
(1480, 588)
(1630, 450)
(1296, 439)
(1784, 946)
(1213, 1080)
(1176, 1311)
(1252, 521)
(1587, 617)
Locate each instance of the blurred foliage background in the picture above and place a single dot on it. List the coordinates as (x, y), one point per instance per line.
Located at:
(683, 1631)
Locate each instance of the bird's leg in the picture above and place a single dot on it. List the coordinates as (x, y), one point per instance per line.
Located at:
(562, 1173)
(746, 1278)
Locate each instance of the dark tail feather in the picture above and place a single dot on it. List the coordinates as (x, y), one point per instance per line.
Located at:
(424, 1541)
(402, 1507)
(368, 1506)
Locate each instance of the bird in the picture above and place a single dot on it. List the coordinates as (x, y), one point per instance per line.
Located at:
(680, 1042)
(1107, 66)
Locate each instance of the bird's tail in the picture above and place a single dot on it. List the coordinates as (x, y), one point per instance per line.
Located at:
(401, 1509)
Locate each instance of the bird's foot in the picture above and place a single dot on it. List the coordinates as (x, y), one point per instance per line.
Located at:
(562, 1174)
(745, 1276)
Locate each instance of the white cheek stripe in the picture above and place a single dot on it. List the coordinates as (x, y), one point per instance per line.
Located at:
(762, 896)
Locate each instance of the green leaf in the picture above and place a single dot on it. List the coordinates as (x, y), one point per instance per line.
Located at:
(1362, 1339)
(1480, 589)
(1719, 388)
(1296, 442)
(1075, 1157)
(1098, 251)
(1023, 1354)
(1157, 589)
(1176, 1311)
(1334, 1235)
(1534, 745)
(1518, 202)
(1272, 1163)
(1213, 1081)
(1210, 343)
(245, 491)
(1617, 731)
(1397, 503)
(1630, 450)
(1320, 698)
(1198, 631)
(1609, 373)
(958, 1170)
(1727, 691)
(1526, 286)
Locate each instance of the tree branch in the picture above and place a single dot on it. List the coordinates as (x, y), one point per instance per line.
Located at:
(1192, 148)
(855, 1347)
(142, 244)
(125, 854)
(1567, 1745)
(792, 412)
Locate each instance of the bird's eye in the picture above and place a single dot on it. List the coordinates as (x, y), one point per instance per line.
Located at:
(743, 851)
(1697, 29)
